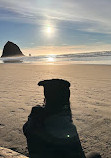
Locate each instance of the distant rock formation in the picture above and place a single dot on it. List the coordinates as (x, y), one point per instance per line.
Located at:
(11, 49)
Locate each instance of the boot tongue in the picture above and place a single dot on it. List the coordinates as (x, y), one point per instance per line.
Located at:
(56, 91)
(54, 82)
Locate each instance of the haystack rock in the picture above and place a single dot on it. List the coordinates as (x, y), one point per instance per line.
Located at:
(10, 49)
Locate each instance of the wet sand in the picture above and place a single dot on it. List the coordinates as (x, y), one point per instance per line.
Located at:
(90, 102)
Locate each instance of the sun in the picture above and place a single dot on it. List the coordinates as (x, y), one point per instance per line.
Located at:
(49, 30)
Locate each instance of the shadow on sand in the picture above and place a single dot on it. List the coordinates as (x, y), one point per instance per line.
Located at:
(50, 131)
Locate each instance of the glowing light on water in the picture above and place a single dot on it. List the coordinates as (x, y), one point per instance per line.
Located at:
(51, 59)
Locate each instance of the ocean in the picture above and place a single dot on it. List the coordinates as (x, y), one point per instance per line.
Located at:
(103, 58)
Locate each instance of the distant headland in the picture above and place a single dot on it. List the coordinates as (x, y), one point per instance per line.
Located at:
(11, 49)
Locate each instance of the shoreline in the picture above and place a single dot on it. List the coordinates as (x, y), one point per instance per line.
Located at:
(53, 64)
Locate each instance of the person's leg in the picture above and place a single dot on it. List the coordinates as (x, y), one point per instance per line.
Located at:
(93, 155)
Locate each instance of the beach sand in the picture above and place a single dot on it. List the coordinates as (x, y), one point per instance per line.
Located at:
(90, 102)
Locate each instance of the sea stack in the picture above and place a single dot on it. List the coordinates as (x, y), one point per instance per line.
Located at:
(10, 49)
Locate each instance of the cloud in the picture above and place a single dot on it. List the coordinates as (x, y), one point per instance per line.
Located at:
(44, 50)
(83, 15)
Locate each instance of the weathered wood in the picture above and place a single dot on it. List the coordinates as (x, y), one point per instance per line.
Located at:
(8, 153)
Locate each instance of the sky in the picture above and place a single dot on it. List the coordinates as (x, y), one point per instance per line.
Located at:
(56, 27)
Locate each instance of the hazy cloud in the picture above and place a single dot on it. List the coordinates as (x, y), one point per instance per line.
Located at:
(67, 49)
(83, 15)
